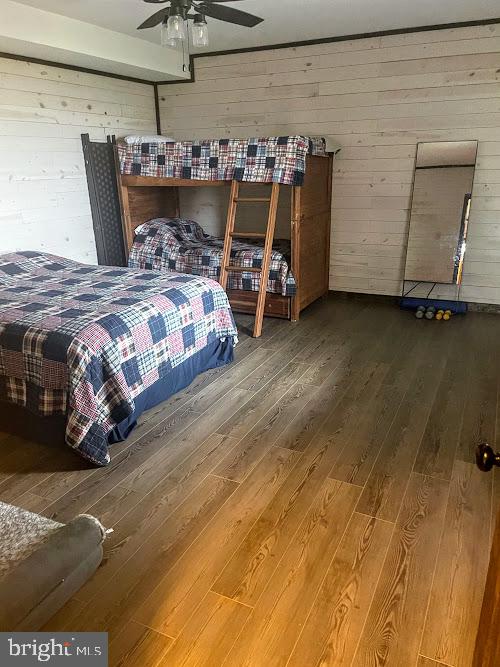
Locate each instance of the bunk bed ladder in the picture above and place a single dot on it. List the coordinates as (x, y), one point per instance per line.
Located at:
(268, 246)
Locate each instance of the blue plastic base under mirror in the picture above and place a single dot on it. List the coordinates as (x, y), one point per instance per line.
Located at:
(456, 307)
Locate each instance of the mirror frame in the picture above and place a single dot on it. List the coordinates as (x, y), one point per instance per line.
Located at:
(458, 284)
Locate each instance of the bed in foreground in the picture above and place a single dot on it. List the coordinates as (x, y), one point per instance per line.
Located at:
(84, 350)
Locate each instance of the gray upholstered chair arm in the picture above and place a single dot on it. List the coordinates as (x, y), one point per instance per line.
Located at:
(37, 577)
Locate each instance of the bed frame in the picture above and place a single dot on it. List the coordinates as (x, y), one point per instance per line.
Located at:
(146, 197)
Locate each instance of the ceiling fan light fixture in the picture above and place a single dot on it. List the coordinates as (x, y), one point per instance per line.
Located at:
(165, 39)
(176, 29)
(199, 31)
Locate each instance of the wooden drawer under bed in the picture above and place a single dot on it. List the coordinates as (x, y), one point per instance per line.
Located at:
(243, 301)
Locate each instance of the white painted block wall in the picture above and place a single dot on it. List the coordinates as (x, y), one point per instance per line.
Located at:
(44, 203)
(378, 97)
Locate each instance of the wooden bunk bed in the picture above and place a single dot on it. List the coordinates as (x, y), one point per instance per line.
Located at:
(144, 197)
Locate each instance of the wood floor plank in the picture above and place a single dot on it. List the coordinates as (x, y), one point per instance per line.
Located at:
(440, 440)
(269, 635)
(32, 503)
(61, 482)
(241, 460)
(242, 420)
(479, 418)
(393, 629)
(178, 594)
(251, 567)
(386, 483)
(277, 360)
(17, 455)
(342, 420)
(323, 400)
(354, 366)
(234, 377)
(145, 462)
(449, 634)
(337, 349)
(23, 464)
(375, 417)
(330, 635)
(345, 345)
(87, 492)
(138, 646)
(355, 396)
(153, 512)
(299, 397)
(63, 619)
(316, 312)
(112, 507)
(427, 662)
(111, 601)
(210, 633)
(16, 485)
(339, 320)
(179, 446)
(272, 329)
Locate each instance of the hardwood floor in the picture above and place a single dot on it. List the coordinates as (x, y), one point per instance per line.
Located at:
(314, 504)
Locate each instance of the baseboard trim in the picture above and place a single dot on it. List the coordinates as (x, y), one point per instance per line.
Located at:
(491, 308)
(364, 296)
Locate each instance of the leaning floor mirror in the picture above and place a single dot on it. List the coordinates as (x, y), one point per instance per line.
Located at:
(439, 217)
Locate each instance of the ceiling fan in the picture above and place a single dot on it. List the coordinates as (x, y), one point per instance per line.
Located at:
(173, 19)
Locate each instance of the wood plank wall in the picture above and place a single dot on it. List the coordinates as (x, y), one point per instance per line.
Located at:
(379, 97)
(44, 200)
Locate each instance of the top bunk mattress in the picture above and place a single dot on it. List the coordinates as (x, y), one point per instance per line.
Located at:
(254, 160)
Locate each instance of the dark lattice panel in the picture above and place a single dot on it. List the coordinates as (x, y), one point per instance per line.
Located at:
(104, 201)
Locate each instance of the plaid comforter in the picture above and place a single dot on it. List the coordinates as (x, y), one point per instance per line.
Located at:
(83, 341)
(256, 160)
(173, 244)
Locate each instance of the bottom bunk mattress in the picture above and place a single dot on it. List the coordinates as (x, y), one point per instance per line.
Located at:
(174, 244)
(94, 346)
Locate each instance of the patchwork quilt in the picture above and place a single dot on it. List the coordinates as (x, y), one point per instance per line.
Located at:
(84, 341)
(255, 160)
(174, 244)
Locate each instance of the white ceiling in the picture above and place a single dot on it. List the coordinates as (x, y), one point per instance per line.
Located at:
(285, 20)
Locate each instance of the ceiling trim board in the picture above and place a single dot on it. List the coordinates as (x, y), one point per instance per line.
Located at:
(75, 68)
(345, 38)
(330, 40)
(269, 47)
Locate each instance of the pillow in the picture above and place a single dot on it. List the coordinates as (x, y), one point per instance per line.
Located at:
(146, 139)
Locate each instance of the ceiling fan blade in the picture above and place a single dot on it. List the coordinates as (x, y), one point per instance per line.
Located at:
(228, 14)
(155, 19)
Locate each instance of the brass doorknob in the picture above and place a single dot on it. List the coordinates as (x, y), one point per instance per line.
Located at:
(486, 458)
